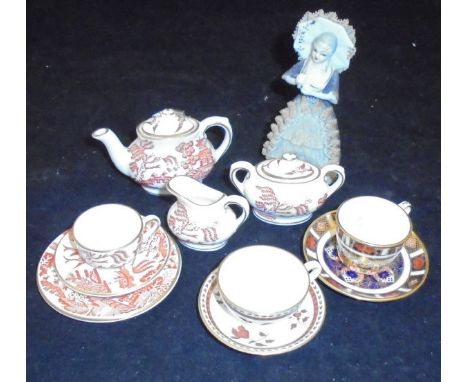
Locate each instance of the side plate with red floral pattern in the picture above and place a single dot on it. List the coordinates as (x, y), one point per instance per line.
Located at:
(83, 278)
(88, 308)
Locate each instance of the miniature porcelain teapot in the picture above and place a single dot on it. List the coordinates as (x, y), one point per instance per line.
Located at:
(168, 144)
(286, 191)
(202, 218)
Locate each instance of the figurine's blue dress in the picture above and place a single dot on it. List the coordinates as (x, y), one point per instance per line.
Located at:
(308, 127)
(329, 93)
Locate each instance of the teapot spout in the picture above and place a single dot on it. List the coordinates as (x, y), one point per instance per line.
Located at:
(117, 151)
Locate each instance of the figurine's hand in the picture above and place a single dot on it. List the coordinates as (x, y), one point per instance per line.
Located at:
(300, 79)
(290, 80)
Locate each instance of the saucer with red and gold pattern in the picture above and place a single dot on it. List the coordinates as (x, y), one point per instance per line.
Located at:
(400, 279)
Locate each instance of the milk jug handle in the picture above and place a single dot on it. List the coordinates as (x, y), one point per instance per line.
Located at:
(222, 122)
(242, 203)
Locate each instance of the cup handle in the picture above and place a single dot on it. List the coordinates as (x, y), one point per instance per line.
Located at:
(339, 171)
(151, 224)
(314, 268)
(243, 204)
(237, 166)
(222, 122)
(406, 206)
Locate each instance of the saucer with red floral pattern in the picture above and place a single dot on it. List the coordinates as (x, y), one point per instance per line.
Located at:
(280, 336)
(404, 276)
(110, 282)
(88, 308)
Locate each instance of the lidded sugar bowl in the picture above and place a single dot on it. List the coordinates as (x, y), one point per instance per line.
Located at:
(286, 191)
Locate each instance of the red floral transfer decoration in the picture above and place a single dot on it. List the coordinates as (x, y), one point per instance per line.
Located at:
(311, 243)
(418, 263)
(241, 332)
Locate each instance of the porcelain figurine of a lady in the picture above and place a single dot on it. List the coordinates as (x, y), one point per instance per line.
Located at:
(315, 76)
(307, 126)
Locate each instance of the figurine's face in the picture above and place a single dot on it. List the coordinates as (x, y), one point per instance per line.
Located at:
(320, 52)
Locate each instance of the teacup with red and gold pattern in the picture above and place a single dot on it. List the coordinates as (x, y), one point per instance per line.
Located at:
(371, 231)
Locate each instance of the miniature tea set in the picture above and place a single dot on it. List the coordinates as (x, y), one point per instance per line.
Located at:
(114, 264)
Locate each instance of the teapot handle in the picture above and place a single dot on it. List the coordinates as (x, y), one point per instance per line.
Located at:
(241, 165)
(242, 203)
(222, 122)
(339, 171)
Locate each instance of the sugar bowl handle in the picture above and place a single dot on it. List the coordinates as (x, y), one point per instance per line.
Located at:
(242, 203)
(336, 169)
(222, 122)
(314, 268)
(237, 166)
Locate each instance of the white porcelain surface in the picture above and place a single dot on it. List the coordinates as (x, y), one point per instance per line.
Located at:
(250, 287)
(107, 226)
(279, 337)
(83, 278)
(169, 143)
(249, 278)
(374, 220)
(286, 191)
(202, 218)
(104, 309)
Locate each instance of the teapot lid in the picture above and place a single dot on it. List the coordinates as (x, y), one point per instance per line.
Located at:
(288, 169)
(166, 123)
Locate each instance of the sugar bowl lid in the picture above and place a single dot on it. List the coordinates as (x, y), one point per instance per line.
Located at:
(166, 123)
(288, 169)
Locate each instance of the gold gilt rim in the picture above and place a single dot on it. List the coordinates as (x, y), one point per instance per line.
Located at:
(403, 295)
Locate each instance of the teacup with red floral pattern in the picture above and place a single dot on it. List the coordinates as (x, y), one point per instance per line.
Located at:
(110, 235)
